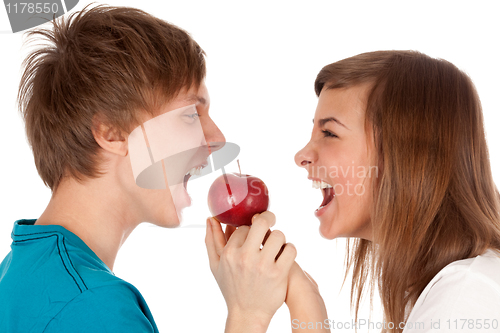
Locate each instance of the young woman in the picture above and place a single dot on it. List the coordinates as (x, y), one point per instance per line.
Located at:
(422, 207)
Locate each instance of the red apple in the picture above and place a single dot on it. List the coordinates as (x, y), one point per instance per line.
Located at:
(234, 199)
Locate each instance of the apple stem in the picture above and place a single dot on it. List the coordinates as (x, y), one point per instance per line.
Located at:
(238, 161)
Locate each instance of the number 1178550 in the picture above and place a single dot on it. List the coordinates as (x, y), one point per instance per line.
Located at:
(29, 7)
(478, 324)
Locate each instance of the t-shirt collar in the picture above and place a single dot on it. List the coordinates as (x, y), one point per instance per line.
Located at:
(26, 229)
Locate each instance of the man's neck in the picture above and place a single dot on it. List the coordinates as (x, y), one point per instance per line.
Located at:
(95, 213)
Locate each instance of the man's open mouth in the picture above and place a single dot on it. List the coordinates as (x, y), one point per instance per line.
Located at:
(192, 172)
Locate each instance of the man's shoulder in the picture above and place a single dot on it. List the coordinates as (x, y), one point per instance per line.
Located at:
(111, 307)
(57, 284)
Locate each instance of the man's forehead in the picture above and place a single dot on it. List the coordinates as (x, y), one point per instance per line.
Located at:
(196, 98)
(195, 94)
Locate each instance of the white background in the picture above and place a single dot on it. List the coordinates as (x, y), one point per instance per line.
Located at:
(262, 60)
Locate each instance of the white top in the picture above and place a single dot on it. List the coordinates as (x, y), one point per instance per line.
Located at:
(463, 297)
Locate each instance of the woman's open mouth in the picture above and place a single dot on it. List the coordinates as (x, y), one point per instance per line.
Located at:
(328, 195)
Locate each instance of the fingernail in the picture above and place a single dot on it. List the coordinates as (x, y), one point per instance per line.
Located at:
(209, 223)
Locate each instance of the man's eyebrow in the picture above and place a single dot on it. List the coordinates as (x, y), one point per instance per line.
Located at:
(323, 121)
(194, 98)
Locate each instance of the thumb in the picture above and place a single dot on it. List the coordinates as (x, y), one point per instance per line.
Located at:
(218, 235)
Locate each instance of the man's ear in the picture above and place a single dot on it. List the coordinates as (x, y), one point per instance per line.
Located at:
(110, 138)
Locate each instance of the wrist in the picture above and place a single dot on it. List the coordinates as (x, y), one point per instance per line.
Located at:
(301, 293)
(242, 322)
(308, 308)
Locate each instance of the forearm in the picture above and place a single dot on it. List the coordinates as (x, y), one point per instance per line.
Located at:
(240, 323)
(308, 315)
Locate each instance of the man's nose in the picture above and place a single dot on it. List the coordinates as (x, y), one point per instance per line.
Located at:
(215, 140)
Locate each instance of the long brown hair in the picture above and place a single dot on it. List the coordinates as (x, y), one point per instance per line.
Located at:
(105, 64)
(435, 201)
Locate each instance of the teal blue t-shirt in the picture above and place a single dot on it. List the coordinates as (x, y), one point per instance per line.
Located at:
(51, 281)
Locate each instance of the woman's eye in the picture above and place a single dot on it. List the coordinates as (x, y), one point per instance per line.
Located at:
(328, 134)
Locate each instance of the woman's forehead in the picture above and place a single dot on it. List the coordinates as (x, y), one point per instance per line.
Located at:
(347, 105)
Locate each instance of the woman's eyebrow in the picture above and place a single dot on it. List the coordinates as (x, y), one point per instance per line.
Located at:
(323, 121)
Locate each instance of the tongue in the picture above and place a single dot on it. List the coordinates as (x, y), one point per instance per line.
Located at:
(328, 196)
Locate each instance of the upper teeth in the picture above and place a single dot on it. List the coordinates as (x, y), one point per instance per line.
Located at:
(320, 184)
(195, 171)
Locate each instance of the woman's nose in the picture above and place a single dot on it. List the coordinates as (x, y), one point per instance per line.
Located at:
(304, 157)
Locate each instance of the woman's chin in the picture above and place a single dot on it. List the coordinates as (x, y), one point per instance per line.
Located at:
(325, 230)
(331, 231)
(331, 228)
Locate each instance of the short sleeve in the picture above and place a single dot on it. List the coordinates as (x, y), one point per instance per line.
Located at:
(105, 309)
(460, 302)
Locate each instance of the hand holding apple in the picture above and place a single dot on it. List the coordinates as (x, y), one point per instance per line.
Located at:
(252, 281)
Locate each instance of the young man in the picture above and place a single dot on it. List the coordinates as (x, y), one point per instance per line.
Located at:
(116, 113)
(106, 71)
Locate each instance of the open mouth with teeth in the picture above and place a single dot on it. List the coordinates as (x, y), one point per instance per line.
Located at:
(194, 171)
(328, 192)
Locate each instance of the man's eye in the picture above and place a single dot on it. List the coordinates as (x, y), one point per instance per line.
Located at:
(328, 134)
(192, 117)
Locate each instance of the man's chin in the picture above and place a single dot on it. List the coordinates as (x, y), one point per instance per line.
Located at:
(174, 221)
(171, 218)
